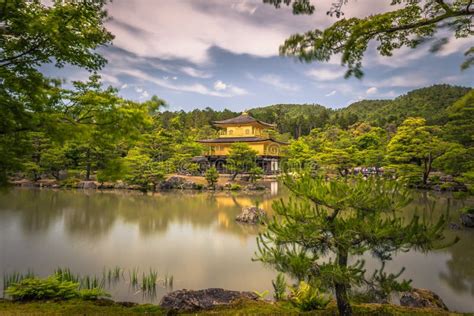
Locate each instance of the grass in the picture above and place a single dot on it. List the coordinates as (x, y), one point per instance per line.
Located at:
(15, 277)
(110, 278)
(107, 307)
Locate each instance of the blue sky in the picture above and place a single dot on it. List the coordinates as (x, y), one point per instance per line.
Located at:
(224, 54)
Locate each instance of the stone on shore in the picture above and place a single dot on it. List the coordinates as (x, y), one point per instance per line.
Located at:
(422, 298)
(467, 220)
(189, 300)
(251, 215)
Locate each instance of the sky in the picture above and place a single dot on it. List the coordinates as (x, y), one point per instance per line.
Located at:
(224, 54)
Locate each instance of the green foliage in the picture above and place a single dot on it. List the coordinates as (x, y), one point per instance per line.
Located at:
(460, 125)
(468, 210)
(42, 289)
(235, 187)
(408, 24)
(343, 217)
(261, 295)
(93, 294)
(212, 176)
(142, 170)
(255, 174)
(416, 143)
(279, 287)
(308, 298)
(241, 159)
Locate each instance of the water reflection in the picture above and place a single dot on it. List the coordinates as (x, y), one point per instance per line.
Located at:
(192, 236)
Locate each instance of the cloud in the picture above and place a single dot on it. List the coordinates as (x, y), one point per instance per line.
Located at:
(244, 6)
(407, 80)
(371, 90)
(333, 92)
(219, 85)
(231, 91)
(323, 74)
(196, 73)
(278, 82)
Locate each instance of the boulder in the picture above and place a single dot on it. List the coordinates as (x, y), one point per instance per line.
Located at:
(190, 301)
(251, 215)
(454, 226)
(467, 219)
(87, 185)
(255, 187)
(422, 298)
(173, 182)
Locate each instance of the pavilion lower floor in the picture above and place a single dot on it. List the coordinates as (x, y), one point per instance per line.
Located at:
(269, 164)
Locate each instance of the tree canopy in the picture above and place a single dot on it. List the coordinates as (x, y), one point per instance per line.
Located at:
(409, 24)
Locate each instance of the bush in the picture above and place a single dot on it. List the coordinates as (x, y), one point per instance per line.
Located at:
(468, 210)
(308, 298)
(42, 289)
(93, 294)
(63, 285)
(212, 176)
(235, 187)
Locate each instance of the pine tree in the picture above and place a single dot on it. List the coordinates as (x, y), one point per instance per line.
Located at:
(314, 235)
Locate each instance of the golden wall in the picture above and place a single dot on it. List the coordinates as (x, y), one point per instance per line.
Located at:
(242, 131)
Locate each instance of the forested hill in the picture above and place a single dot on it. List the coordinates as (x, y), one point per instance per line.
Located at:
(299, 119)
(429, 103)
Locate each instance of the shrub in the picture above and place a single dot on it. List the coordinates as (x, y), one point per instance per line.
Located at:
(467, 210)
(307, 297)
(279, 287)
(42, 289)
(212, 176)
(235, 187)
(93, 294)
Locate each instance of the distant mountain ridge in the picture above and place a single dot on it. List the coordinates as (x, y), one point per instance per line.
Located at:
(429, 103)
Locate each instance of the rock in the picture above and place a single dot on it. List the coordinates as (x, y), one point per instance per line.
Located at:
(173, 182)
(251, 215)
(189, 301)
(467, 219)
(422, 298)
(87, 185)
(255, 187)
(454, 226)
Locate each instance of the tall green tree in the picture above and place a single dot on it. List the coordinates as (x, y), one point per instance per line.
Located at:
(416, 143)
(343, 218)
(33, 34)
(410, 23)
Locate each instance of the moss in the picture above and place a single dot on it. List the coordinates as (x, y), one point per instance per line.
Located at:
(80, 307)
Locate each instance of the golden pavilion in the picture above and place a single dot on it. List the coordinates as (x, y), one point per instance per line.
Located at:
(243, 129)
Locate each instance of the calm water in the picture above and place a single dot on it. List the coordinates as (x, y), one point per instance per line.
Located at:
(192, 236)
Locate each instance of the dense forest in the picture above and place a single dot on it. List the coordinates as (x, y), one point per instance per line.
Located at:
(96, 134)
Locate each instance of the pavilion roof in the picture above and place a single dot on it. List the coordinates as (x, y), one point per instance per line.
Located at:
(244, 118)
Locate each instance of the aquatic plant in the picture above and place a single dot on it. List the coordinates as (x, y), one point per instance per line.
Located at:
(133, 276)
(65, 274)
(15, 277)
(149, 280)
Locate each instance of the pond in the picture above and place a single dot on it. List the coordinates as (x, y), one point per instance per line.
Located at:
(190, 236)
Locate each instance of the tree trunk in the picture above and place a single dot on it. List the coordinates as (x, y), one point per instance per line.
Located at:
(427, 168)
(88, 165)
(342, 298)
